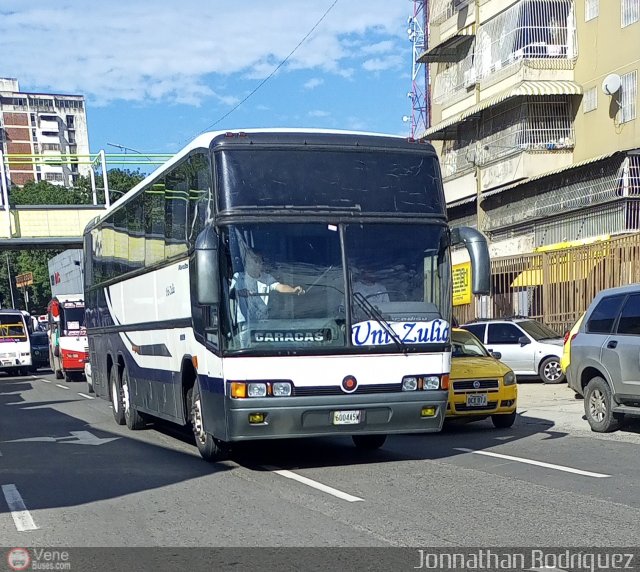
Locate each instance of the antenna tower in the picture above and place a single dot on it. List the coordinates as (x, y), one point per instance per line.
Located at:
(420, 117)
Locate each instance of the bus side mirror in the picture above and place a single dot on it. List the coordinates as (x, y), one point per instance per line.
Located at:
(206, 271)
(476, 245)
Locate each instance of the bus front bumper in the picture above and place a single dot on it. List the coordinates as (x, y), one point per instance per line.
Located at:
(290, 417)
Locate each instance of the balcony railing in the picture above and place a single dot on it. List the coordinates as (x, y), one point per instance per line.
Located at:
(532, 126)
(536, 31)
(531, 29)
(455, 78)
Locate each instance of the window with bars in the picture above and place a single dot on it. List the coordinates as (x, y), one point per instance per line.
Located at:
(57, 177)
(529, 125)
(590, 100)
(540, 29)
(591, 9)
(628, 96)
(629, 12)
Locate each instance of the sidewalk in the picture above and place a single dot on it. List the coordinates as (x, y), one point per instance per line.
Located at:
(555, 405)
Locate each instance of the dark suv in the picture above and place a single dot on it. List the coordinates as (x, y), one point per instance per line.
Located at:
(39, 350)
(605, 358)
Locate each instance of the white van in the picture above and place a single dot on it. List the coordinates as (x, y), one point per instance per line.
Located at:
(15, 347)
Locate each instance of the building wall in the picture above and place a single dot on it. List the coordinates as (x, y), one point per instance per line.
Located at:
(42, 124)
(604, 47)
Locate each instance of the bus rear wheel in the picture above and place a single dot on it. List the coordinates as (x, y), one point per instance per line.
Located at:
(210, 449)
(132, 417)
(116, 396)
(368, 442)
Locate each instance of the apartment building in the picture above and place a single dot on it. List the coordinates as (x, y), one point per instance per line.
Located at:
(535, 115)
(36, 129)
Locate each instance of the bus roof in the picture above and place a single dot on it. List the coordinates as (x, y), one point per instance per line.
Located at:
(205, 140)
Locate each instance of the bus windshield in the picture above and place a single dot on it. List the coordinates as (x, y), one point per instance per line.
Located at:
(12, 326)
(292, 287)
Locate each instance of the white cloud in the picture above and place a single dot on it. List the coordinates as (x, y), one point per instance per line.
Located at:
(319, 113)
(313, 83)
(157, 50)
(382, 64)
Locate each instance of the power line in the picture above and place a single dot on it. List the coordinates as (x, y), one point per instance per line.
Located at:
(265, 80)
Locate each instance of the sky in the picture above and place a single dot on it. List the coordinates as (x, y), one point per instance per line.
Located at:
(156, 73)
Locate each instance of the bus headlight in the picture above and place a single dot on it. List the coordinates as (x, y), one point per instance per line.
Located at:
(281, 389)
(510, 378)
(431, 382)
(409, 383)
(256, 390)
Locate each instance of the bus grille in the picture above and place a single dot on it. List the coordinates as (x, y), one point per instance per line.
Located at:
(336, 390)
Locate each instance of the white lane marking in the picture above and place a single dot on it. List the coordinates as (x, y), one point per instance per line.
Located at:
(62, 386)
(21, 516)
(85, 395)
(537, 463)
(45, 380)
(314, 484)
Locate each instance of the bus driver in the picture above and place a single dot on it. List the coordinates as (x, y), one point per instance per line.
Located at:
(251, 289)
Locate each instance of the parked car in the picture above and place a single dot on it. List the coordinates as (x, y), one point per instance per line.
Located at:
(605, 367)
(39, 350)
(565, 361)
(527, 346)
(480, 385)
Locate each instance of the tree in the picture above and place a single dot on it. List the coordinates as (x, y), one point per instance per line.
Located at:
(36, 261)
(120, 181)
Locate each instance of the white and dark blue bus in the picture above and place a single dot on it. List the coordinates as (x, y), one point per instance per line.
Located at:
(276, 284)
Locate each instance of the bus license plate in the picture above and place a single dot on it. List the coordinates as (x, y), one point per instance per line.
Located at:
(347, 417)
(477, 400)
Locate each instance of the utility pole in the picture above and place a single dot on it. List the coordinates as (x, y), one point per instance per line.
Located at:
(13, 301)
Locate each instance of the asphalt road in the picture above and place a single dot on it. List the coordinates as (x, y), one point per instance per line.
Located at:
(71, 477)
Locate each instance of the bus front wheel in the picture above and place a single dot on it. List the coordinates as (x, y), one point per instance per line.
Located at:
(368, 442)
(211, 449)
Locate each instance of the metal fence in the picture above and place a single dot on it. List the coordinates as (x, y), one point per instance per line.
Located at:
(556, 286)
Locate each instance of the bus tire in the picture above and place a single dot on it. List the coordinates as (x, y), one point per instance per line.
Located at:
(368, 442)
(210, 449)
(59, 374)
(134, 420)
(116, 396)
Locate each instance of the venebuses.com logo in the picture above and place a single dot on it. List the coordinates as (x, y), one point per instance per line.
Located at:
(38, 559)
(18, 559)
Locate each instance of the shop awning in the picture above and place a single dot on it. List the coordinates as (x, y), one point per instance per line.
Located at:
(540, 88)
(448, 51)
(561, 263)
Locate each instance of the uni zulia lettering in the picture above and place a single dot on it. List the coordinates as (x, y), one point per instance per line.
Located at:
(290, 336)
(371, 333)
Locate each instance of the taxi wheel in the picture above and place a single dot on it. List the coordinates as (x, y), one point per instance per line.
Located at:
(503, 421)
(368, 442)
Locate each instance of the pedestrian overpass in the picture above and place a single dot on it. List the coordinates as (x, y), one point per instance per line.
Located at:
(45, 227)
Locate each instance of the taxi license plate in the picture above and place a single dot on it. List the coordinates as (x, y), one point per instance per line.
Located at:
(477, 400)
(347, 417)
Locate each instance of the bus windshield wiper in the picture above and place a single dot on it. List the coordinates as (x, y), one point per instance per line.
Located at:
(378, 317)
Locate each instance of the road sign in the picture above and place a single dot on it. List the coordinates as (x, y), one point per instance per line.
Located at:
(24, 280)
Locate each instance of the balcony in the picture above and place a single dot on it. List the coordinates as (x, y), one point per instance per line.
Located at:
(533, 40)
(515, 140)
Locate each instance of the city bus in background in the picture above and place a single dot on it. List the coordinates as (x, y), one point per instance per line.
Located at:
(67, 336)
(15, 346)
(343, 330)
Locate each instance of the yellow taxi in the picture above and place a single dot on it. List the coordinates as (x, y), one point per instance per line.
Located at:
(565, 360)
(480, 386)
